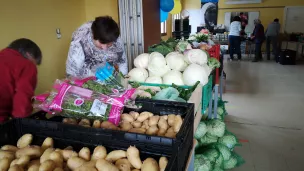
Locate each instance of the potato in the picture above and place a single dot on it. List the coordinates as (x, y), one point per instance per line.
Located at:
(48, 165)
(108, 125)
(137, 124)
(66, 154)
(138, 130)
(25, 140)
(163, 161)
(171, 129)
(34, 167)
(9, 148)
(152, 130)
(100, 152)
(91, 163)
(165, 117)
(58, 169)
(170, 135)
(171, 119)
(163, 124)
(47, 143)
(127, 118)
(134, 114)
(125, 126)
(153, 120)
(123, 167)
(4, 164)
(135, 170)
(150, 165)
(84, 122)
(161, 132)
(34, 162)
(32, 151)
(75, 162)
(57, 158)
(46, 155)
(103, 165)
(177, 123)
(115, 155)
(123, 161)
(143, 116)
(85, 153)
(16, 168)
(96, 124)
(133, 157)
(70, 121)
(146, 123)
(83, 168)
(68, 148)
(7, 154)
(22, 161)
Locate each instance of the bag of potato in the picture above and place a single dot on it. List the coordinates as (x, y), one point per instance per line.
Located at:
(76, 102)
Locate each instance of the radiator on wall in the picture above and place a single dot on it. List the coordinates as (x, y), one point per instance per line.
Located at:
(243, 1)
(131, 28)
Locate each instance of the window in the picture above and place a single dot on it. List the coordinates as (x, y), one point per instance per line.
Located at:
(163, 28)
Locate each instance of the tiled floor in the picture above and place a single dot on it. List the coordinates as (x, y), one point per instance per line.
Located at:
(266, 110)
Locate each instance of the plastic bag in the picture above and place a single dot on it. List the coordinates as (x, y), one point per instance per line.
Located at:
(170, 94)
(76, 102)
(108, 75)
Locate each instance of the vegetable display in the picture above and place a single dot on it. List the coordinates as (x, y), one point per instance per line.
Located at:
(214, 151)
(143, 123)
(34, 158)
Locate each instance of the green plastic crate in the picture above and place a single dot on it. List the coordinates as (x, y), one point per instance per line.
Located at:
(206, 94)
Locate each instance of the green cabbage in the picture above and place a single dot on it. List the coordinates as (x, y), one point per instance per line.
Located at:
(182, 46)
(201, 130)
(217, 169)
(229, 140)
(211, 154)
(219, 162)
(213, 63)
(216, 127)
(231, 163)
(225, 151)
(208, 139)
(201, 163)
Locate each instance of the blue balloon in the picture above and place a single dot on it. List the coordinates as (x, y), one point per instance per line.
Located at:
(166, 5)
(163, 16)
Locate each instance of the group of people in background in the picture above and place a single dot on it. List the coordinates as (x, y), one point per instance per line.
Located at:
(259, 36)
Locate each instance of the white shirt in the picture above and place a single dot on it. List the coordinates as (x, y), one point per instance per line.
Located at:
(235, 28)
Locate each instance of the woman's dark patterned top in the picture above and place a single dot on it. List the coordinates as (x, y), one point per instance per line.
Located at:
(84, 57)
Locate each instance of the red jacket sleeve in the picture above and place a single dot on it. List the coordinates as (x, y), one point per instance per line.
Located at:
(25, 88)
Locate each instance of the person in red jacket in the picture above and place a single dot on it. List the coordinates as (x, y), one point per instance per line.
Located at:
(18, 75)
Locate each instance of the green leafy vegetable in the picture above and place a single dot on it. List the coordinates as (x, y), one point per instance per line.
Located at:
(201, 131)
(201, 163)
(213, 63)
(216, 127)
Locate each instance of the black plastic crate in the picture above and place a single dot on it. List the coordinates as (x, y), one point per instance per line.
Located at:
(13, 130)
(186, 110)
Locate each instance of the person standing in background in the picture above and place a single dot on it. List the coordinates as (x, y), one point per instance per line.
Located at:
(272, 34)
(244, 19)
(18, 78)
(258, 37)
(234, 38)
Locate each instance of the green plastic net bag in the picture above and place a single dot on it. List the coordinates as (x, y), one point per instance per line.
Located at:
(229, 140)
(234, 161)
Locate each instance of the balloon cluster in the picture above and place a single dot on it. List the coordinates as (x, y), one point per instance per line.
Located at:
(169, 6)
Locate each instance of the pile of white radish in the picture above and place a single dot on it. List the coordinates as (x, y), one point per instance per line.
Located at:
(177, 68)
(29, 157)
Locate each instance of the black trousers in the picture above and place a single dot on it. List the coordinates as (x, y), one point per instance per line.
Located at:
(258, 51)
(235, 46)
(274, 41)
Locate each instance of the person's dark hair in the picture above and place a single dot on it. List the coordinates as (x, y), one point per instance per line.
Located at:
(105, 29)
(236, 18)
(276, 20)
(241, 13)
(25, 46)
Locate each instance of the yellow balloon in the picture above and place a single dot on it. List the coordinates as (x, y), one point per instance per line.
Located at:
(177, 7)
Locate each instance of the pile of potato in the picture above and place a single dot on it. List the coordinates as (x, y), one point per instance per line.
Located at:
(29, 157)
(144, 123)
